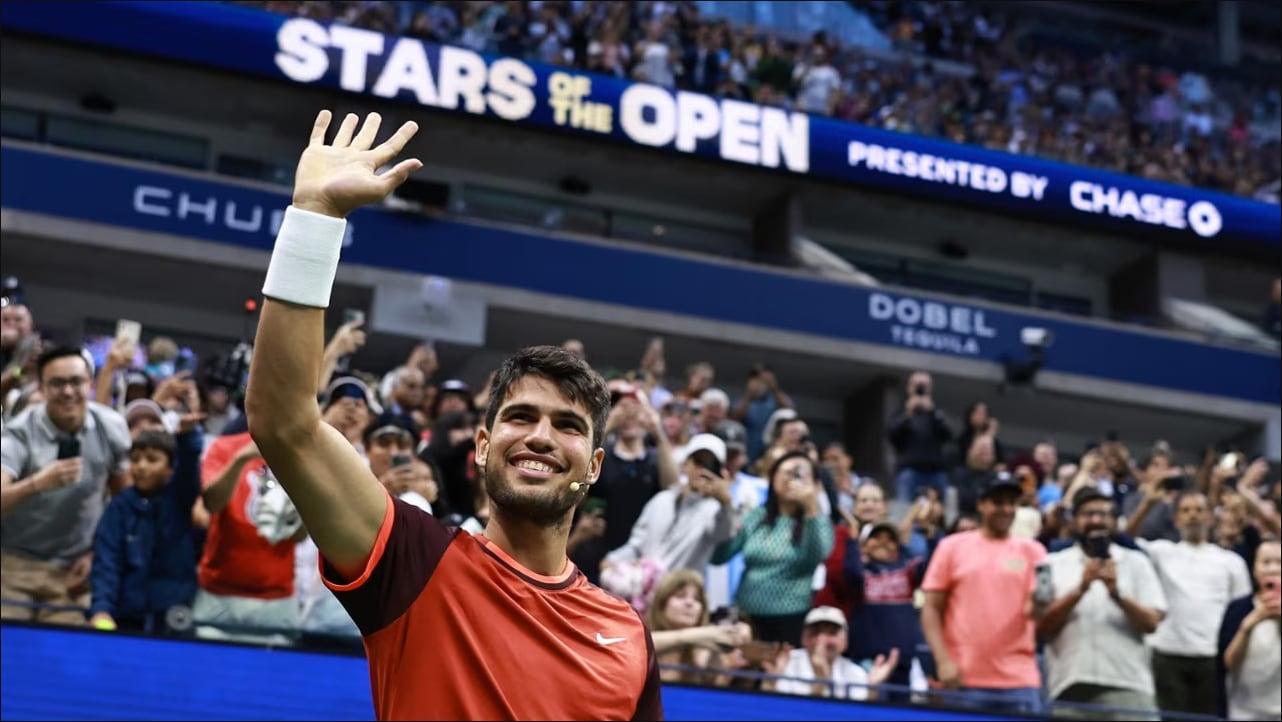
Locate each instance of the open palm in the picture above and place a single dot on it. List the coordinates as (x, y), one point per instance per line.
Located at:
(338, 178)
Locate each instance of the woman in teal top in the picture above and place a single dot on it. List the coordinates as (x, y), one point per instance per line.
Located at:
(782, 544)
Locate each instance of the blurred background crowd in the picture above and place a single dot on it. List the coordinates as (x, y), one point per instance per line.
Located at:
(747, 544)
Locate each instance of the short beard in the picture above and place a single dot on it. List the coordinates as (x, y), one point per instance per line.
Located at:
(542, 507)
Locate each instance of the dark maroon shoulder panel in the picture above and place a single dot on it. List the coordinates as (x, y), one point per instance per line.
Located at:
(650, 706)
(414, 548)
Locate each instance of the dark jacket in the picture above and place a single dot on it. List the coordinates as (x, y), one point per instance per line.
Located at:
(919, 440)
(144, 561)
(1234, 615)
(883, 615)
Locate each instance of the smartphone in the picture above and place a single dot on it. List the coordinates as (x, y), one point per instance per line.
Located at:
(185, 361)
(1097, 546)
(399, 460)
(353, 315)
(594, 505)
(68, 449)
(1229, 462)
(129, 331)
(1044, 591)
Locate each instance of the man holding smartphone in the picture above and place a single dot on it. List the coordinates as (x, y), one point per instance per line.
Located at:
(1107, 598)
(57, 459)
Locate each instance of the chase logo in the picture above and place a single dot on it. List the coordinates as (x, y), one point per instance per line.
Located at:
(1158, 210)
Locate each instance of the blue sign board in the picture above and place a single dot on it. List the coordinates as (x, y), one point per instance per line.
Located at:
(455, 79)
(66, 674)
(222, 211)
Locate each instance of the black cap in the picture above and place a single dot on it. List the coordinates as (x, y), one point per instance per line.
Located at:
(1086, 495)
(389, 421)
(1002, 481)
(869, 529)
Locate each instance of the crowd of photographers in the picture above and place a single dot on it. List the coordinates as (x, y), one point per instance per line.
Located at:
(134, 499)
(1087, 105)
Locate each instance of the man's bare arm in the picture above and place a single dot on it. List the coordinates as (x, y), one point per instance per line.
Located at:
(339, 499)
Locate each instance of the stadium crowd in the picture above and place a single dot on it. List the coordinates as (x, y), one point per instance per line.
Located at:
(135, 499)
(1089, 106)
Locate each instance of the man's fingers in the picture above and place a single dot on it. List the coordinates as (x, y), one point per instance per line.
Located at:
(343, 138)
(369, 130)
(393, 178)
(392, 147)
(319, 127)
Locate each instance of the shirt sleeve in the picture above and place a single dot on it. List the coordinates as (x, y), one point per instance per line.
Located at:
(1148, 588)
(939, 573)
(216, 458)
(409, 546)
(1239, 577)
(118, 440)
(15, 453)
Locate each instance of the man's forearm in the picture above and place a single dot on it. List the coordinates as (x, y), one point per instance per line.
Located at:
(932, 628)
(1057, 614)
(1141, 618)
(668, 474)
(1137, 519)
(16, 492)
(218, 494)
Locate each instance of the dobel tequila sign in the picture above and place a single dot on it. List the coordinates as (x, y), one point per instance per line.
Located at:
(931, 325)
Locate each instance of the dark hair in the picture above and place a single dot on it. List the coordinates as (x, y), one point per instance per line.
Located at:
(572, 375)
(48, 356)
(772, 499)
(161, 441)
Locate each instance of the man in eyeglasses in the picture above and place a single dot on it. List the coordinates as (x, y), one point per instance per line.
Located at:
(55, 459)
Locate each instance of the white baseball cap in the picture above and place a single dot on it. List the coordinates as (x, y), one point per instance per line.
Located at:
(826, 614)
(707, 442)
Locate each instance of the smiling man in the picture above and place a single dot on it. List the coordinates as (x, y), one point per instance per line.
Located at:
(456, 626)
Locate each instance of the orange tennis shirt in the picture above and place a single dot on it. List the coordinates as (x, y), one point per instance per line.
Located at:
(454, 628)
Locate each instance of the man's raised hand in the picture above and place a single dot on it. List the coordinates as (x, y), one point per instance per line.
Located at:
(338, 178)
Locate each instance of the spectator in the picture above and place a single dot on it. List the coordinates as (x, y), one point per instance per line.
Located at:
(348, 405)
(675, 417)
(780, 558)
(1199, 579)
(713, 407)
(918, 436)
(818, 669)
(817, 83)
(1249, 641)
(699, 378)
(883, 577)
(58, 461)
(762, 397)
(701, 66)
(19, 347)
(978, 422)
(144, 561)
(246, 574)
(1151, 512)
(980, 610)
(389, 442)
(840, 467)
(678, 621)
(680, 527)
(632, 472)
(1108, 599)
(452, 449)
(977, 475)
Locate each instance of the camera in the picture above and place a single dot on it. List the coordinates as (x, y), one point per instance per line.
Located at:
(921, 390)
(1035, 337)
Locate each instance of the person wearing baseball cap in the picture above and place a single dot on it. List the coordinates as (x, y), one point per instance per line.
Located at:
(347, 405)
(986, 579)
(821, 662)
(682, 525)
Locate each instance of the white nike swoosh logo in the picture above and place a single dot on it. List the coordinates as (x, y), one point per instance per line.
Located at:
(607, 641)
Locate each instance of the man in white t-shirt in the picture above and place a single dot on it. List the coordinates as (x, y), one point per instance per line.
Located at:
(816, 83)
(1107, 597)
(1199, 579)
(819, 669)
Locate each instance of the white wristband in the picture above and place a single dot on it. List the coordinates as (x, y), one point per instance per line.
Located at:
(305, 259)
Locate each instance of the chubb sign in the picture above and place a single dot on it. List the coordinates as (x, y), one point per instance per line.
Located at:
(931, 325)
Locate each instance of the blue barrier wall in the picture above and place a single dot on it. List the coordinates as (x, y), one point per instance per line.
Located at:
(72, 674)
(222, 211)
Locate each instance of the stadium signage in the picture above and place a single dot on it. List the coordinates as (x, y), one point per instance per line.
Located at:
(931, 325)
(460, 80)
(212, 209)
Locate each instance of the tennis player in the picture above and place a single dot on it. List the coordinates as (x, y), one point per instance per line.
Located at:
(456, 626)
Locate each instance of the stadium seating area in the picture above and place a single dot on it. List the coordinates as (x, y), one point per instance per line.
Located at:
(1079, 105)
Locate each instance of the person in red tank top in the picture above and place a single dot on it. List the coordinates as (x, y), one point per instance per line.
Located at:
(494, 626)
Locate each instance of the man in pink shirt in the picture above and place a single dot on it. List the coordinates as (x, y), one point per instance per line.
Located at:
(980, 612)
